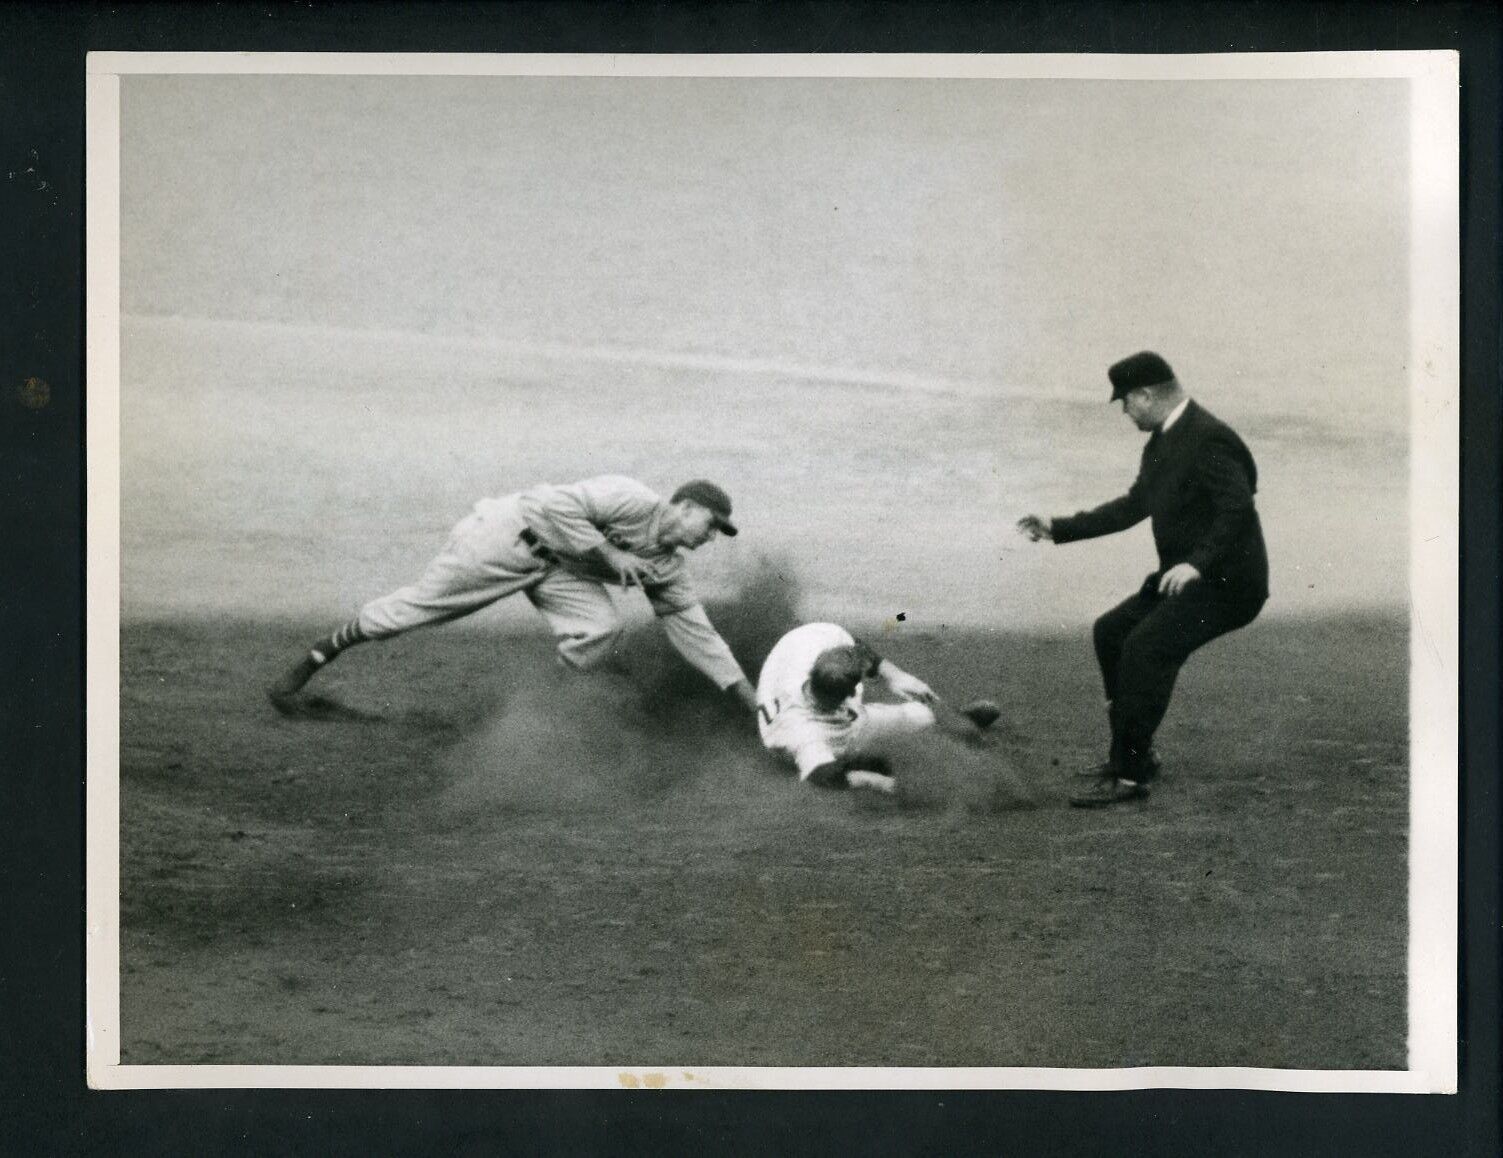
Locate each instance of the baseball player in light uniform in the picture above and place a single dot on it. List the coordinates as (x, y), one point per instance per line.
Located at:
(811, 708)
(560, 545)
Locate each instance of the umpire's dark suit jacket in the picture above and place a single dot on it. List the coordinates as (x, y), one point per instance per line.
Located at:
(1196, 483)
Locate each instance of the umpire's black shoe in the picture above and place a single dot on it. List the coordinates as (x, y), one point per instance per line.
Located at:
(1148, 770)
(1108, 791)
(1110, 769)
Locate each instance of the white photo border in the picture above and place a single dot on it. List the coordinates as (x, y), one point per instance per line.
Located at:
(1433, 897)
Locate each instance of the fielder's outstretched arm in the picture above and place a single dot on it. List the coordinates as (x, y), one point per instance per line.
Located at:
(694, 637)
(745, 694)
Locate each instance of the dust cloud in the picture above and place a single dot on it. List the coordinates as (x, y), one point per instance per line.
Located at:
(652, 728)
(603, 740)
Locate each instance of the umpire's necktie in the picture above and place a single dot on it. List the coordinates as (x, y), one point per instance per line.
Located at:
(1151, 448)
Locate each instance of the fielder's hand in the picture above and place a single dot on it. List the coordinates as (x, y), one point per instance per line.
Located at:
(1035, 528)
(629, 568)
(1177, 578)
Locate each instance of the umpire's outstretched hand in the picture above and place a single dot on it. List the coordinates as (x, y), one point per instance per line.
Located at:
(1036, 528)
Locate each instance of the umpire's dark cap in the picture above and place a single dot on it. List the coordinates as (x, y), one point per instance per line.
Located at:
(1141, 369)
(712, 498)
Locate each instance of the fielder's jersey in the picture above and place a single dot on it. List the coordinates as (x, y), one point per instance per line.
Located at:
(786, 717)
(572, 519)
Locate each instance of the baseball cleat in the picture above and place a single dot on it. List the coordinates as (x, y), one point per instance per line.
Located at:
(1107, 769)
(287, 703)
(284, 693)
(1106, 792)
(321, 708)
(982, 713)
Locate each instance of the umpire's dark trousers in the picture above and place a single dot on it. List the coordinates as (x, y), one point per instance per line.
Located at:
(1141, 644)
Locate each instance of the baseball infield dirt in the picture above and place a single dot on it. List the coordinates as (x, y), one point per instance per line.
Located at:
(506, 867)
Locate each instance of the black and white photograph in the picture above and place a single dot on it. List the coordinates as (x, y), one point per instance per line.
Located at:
(773, 572)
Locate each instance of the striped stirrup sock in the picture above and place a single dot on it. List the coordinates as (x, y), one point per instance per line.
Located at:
(347, 636)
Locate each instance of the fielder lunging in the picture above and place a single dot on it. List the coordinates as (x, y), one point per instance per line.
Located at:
(811, 709)
(560, 546)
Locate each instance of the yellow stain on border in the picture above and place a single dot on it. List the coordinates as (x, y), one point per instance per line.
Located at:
(653, 1080)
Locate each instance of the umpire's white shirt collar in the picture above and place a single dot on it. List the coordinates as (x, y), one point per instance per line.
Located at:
(1174, 416)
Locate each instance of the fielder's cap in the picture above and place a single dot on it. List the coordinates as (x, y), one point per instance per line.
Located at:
(712, 498)
(1144, 368)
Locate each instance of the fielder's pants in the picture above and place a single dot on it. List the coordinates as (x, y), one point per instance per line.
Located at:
(486, 560)
(1141, 644)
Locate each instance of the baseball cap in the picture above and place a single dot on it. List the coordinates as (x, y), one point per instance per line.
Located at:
(1144, 368)
(712, 498)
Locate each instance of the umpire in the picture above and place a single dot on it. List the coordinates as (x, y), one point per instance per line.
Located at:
(1196, 482)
